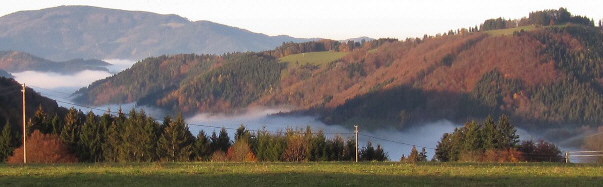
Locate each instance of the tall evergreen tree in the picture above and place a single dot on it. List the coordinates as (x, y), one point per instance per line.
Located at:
(176, 142)
(507, 136)
(8, 143)
(223, 141)
(91, 140)
(201, 147)
(39, 121)
(71, 129)
(57, 124)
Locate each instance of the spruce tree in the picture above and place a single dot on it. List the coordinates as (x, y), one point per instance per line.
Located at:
(201, 147)
(91, 140)
(57, 125)
(39, 122)
(175, 143)
(70, 132)
(507, 133)
(8, 142)
(490, 134)
(223, 141)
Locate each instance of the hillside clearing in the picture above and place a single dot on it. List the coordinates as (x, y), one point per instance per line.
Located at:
(313, 58)
(304, 174)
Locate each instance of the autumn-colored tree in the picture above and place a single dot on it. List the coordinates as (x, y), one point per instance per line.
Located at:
(241, 152)
(43, 148)
(296, 149)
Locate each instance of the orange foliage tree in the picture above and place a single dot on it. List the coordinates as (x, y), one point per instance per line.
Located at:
(43, 148)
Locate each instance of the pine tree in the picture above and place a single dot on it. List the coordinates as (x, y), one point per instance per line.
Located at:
(91, 140)
(380, 154)
(507, 133)
(39, 122)
(8, 143)
(223, 141)
(368, 153)
(490, 134)
(473, 137)
(201, 147)
(70, 132)
(176, 141)
(57, 125)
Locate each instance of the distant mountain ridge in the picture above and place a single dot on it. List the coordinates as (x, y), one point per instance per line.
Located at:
(69, 32)
(16, 61)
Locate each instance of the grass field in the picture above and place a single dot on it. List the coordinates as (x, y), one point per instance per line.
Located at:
(303, 174)
(504, 32)
(314, 58)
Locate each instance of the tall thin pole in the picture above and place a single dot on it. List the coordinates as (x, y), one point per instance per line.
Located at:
(356, 132)
(24, 130)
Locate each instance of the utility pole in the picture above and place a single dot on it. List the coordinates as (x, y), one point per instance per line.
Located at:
(356, 132)
(24, 130)
(567, 159)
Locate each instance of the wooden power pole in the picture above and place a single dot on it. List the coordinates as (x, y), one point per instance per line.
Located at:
(356, 132)
(24, 129)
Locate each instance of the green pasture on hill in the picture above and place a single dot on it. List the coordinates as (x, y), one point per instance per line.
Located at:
(302, 174)
(314, 58)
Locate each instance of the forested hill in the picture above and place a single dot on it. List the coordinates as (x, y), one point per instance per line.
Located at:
(16, 61)
(11, 106)
(68, 32)
(542, 74)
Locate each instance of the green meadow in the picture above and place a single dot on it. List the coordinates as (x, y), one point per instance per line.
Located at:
(302, 174)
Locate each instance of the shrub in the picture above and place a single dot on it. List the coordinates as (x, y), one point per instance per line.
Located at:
(296, 149)
(43, 148)
(241, 152)
(218, 156)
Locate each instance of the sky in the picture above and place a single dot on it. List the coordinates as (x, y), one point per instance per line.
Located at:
(333, 19)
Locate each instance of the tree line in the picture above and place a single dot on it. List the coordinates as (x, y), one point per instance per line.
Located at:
(136, 137)
(493, 141)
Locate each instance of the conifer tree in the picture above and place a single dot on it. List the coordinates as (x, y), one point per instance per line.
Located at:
(8, 143)
(91, 140)
(176, 142)
(508, 137)
(39, 122)
(70, 132)
(201, 147)
(57, 125)
(223, 141)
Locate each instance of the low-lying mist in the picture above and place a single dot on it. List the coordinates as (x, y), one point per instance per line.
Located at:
(424, 135)
(51, 80)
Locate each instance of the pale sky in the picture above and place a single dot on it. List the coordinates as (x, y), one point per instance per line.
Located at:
(335, 19)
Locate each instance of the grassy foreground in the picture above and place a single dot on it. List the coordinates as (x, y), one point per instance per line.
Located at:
(302, 174)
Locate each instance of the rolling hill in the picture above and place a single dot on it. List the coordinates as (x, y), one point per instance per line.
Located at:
(16, 61)
(541, 76)
(69, 32)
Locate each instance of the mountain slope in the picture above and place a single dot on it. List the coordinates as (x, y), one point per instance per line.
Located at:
(69, 32)
(550, 75)
(16, 61)
(11, 107)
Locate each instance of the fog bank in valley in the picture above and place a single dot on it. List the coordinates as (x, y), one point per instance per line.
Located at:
(424, 135)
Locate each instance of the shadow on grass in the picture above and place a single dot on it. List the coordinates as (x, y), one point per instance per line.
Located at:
(288, 179)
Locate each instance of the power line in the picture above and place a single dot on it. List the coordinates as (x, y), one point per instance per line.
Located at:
(398, 142)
